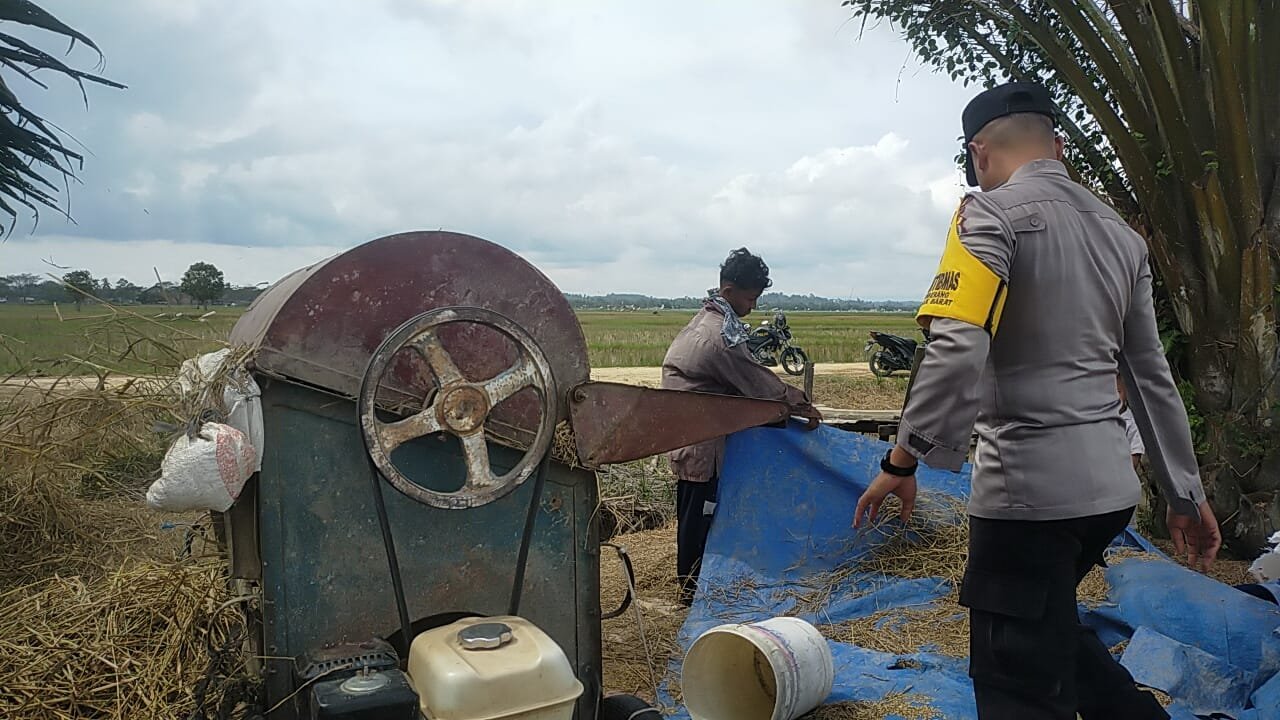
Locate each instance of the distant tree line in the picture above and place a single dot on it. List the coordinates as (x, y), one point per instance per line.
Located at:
(202, 285)
(768, 301)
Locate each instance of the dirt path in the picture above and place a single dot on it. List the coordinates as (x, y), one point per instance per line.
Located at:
(642, 376)
(37, 387)
(652, 376)
(79, 382)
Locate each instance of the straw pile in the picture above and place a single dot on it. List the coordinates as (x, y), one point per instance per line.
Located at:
(1093, 590)
(636, 496)
(639, 644)
(97, 617)
(933, 545)
(78, 448)
(71, 460)
(1225, 570)
(148, 640)
(942, 626)
(564, 445)
(907, 706)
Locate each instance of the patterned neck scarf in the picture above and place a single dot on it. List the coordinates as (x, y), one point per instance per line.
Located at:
(734, 331)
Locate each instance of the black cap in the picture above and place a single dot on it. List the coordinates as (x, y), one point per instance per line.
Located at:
(999, 101)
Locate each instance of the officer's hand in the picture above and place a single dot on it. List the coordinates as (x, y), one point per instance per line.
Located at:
(1200, 540)
(883, 486)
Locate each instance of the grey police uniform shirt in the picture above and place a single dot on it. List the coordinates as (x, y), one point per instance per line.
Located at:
(1074, 306)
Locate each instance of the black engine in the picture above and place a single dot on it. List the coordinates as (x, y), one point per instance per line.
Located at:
(357, 681)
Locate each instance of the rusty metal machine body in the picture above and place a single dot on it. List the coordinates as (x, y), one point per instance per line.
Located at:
(464, 359)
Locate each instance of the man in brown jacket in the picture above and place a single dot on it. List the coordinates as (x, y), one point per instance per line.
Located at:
(710, 355)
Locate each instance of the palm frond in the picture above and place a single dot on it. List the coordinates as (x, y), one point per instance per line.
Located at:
(31, 147)
(28, 13)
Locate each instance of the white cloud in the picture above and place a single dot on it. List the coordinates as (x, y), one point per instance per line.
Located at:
(195, 174)
(615, 148)
(595, 213)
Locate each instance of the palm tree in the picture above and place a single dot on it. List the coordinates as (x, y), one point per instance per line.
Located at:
(1172, 110)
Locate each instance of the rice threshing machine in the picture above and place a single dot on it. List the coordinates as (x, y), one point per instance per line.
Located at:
(416, 547)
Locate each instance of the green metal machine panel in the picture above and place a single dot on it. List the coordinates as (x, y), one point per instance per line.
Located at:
(325, 576)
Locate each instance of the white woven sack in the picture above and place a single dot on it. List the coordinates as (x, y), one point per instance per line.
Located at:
(205, 472)
(243, 401)
(240, 395)
(195, 373)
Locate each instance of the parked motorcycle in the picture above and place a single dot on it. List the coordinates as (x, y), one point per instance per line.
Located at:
(770, 343)
(893, 354)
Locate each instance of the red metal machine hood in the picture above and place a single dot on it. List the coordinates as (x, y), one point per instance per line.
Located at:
(319, 326)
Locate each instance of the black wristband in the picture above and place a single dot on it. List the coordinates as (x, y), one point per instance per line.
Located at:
(894, 470)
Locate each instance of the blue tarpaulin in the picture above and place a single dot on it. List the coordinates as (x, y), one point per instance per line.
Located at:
(785, 508)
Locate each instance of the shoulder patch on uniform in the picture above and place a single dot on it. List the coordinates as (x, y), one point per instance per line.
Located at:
(964, 288)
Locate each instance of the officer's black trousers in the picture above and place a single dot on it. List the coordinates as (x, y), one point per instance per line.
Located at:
(693, 523)
(1030, 658)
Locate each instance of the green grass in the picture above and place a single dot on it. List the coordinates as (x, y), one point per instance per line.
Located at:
(640, 339)
(44, 340)
(55, 342)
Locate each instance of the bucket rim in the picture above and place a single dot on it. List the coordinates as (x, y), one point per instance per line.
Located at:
(755, 634)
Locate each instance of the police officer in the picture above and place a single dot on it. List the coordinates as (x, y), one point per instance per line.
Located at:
(1043, 294)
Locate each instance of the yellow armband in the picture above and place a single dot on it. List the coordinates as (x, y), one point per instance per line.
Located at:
(964, 289)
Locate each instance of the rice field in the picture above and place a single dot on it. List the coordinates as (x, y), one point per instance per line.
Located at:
(61, 340)
(640, 339)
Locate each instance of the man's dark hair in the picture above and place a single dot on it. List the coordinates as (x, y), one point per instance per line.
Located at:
(1018, 128)
(745, 270)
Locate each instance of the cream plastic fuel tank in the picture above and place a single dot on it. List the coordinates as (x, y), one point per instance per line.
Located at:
(496, 668)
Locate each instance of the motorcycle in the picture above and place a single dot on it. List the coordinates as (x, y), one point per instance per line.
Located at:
(770, 343)
(895, 353)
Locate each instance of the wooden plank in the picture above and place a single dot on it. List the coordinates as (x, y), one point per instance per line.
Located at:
(840, 415)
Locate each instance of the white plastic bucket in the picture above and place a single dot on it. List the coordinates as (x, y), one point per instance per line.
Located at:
(778, 669)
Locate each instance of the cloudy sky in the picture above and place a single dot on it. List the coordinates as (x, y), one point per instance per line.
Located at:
(619, 146)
